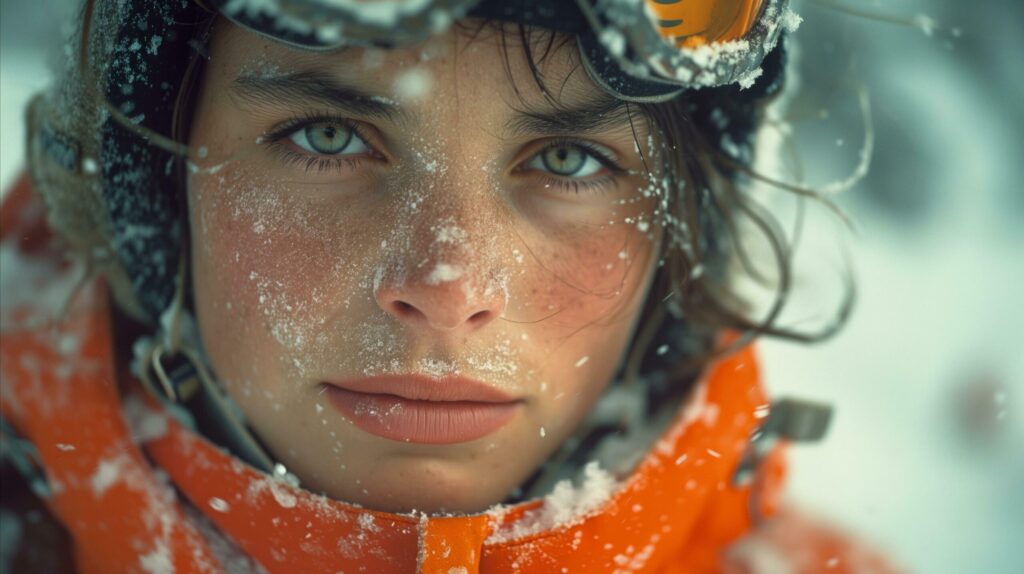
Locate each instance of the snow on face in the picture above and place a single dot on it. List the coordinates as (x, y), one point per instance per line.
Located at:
(412, 85)
(449, 241)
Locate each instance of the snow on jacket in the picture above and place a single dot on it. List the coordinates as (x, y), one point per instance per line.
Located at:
(136, 491)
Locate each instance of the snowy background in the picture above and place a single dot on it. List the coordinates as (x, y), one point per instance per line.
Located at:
(938, 251)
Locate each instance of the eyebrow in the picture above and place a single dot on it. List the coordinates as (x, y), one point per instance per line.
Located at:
(597, 115)
(287, 89)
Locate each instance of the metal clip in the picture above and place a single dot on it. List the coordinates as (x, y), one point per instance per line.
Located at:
(178, 374)
(171, 377)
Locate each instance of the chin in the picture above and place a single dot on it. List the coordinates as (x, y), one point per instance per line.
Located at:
(435, 486)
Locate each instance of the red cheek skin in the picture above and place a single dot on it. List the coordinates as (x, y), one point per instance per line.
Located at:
(272, 261)
(583, 271)
(292, 265)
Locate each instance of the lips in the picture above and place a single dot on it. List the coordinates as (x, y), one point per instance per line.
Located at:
(419, 409)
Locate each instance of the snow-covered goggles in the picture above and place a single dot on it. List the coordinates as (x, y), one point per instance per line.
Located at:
(640, 50)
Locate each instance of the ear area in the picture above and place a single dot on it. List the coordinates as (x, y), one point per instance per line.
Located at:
(65, 172)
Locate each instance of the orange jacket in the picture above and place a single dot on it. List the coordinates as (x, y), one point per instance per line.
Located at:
(153, 496)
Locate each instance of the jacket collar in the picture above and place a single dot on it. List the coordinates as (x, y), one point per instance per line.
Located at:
(604, 521)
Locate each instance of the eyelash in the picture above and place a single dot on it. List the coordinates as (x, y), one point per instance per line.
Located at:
(578, 185)
(277, 140)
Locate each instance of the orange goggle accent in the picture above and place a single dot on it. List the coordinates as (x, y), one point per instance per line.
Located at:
(692, 23)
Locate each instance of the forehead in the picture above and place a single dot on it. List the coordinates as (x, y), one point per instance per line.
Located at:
(536, 69)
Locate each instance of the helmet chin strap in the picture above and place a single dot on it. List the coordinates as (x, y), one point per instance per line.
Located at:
(174, 369)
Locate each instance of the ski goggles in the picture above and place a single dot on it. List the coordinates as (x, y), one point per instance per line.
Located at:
(638, 50)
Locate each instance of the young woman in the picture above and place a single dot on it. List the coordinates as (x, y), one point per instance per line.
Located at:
(399, 287)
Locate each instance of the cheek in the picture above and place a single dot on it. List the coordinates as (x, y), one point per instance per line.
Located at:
(584, 295)
(269, 265)
(284, 277)
(583, 272)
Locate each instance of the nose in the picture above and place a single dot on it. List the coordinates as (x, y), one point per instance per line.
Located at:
(443, 299)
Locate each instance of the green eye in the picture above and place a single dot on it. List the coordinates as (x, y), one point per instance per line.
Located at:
(567, 160)
(564, 160)
(328, 138)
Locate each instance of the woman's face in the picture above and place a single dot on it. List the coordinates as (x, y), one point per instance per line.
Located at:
(373, 231)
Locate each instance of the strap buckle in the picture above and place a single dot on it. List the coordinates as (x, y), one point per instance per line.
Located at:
(793, 420)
